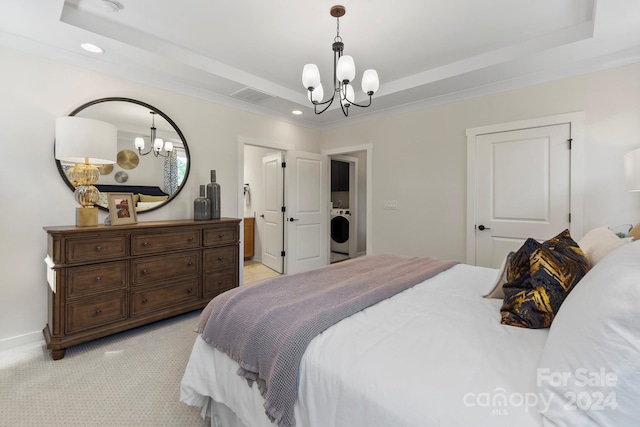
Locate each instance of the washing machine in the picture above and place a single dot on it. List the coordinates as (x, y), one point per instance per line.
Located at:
(340, 219)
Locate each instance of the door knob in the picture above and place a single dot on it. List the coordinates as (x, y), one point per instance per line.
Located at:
(293, 219)
(482, 227)
(262, 216)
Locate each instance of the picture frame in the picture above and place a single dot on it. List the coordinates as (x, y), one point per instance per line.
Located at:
(122, 209)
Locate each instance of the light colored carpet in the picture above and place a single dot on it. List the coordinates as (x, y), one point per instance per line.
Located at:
(128, 379)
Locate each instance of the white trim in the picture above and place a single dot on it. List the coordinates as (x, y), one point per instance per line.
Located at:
(576, 122)
(21, 340)
(368, 148)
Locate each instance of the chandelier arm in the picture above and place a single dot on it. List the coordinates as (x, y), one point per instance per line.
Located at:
(144, 154)
(362, 106)
(330, 101)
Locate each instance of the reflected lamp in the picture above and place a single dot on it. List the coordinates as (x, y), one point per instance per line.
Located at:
(85, 143)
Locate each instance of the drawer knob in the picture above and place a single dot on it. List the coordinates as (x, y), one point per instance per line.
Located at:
(145, 244)
(98, 311)
(144, 300)
(190, 239)
(220, 282)
(189, 290)
(98, 248)
(98, 278)
(221, 235)
(220, 258)
(145, 271)
(190, 263)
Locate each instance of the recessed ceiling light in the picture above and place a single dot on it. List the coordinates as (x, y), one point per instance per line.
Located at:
(110, 5)
(92, 48)
(296, 112)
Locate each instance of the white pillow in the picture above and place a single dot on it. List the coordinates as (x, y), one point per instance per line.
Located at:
(597, 243)
(589, 371)
(497, 291)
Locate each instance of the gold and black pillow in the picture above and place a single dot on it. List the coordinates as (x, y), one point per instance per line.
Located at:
(539, 278)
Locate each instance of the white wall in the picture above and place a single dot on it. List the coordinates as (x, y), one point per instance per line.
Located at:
(419, 158)
(34, 92)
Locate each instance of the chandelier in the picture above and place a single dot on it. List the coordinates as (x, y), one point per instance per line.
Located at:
(344, 71)
(157, 144)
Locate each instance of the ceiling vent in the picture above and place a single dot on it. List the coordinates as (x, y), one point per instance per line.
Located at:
(251, 95)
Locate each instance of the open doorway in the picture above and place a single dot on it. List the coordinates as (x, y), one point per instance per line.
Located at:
(351, 200)
(287, 201)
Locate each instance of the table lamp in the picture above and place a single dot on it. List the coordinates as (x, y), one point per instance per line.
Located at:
(86, 143)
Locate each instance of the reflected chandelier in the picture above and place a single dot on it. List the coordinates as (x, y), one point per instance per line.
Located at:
(344, 71)
(157, 144)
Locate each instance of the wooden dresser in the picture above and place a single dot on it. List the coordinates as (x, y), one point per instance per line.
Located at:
(112, 278)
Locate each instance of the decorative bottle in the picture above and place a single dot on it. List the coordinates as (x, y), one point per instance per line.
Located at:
(201, 206)
(213, 194)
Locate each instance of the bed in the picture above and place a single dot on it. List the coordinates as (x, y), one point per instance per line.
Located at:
(437, 354)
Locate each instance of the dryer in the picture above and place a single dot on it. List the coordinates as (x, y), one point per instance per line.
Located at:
(340, 219)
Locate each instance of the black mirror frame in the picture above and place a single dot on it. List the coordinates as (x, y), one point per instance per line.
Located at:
(152, 108)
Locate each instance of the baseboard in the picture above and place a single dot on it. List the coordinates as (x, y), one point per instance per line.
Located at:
(19, 341)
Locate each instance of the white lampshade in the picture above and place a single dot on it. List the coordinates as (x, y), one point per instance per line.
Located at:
(632, 170)
(350, 95)
(370, 82)
(158, 144)
(346, 69)
(139, 143)
(168, 146)
(317, 94)
(310, 76)
(79, 138)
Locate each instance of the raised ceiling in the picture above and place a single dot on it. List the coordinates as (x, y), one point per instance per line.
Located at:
(250, 54)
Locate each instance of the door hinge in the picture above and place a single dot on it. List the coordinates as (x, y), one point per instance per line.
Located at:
(283, 209)
(282, 253)
(570, 141)
(569, 217)
(284, 165)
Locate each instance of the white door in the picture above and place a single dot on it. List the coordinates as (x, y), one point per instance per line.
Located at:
(272, 217)
(523, 189)
(307, 211)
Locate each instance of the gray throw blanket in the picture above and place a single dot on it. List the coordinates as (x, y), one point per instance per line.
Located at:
(266, 327)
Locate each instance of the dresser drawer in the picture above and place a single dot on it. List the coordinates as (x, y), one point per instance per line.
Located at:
(151, 269)
(172, 294)
(95, 249)
(97, 311)
(221, 235)
(96, 278)
(215, 284)
(217, 259)
(150, 243)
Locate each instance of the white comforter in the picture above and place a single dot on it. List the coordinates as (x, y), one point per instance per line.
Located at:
(434, 355)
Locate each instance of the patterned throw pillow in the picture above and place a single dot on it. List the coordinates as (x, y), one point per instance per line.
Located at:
(539, 278)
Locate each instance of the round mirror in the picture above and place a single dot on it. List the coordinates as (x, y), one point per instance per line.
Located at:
(153, 156)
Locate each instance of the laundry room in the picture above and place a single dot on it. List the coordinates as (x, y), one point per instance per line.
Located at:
(343, 206)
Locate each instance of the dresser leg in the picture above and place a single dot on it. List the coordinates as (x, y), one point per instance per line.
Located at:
(58, 354)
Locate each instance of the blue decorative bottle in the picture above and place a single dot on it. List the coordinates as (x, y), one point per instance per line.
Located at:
(213, 194)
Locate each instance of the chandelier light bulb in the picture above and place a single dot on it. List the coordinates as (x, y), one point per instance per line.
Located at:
(370, 82)
(139, 143)
(348, 95)
(158, 144)
(317, 94)
(310, 76)
(346, 70)
(168, 146)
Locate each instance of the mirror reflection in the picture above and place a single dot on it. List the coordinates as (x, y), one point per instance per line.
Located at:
(153, 156)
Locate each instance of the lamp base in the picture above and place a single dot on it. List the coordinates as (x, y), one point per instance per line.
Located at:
(86, 217)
